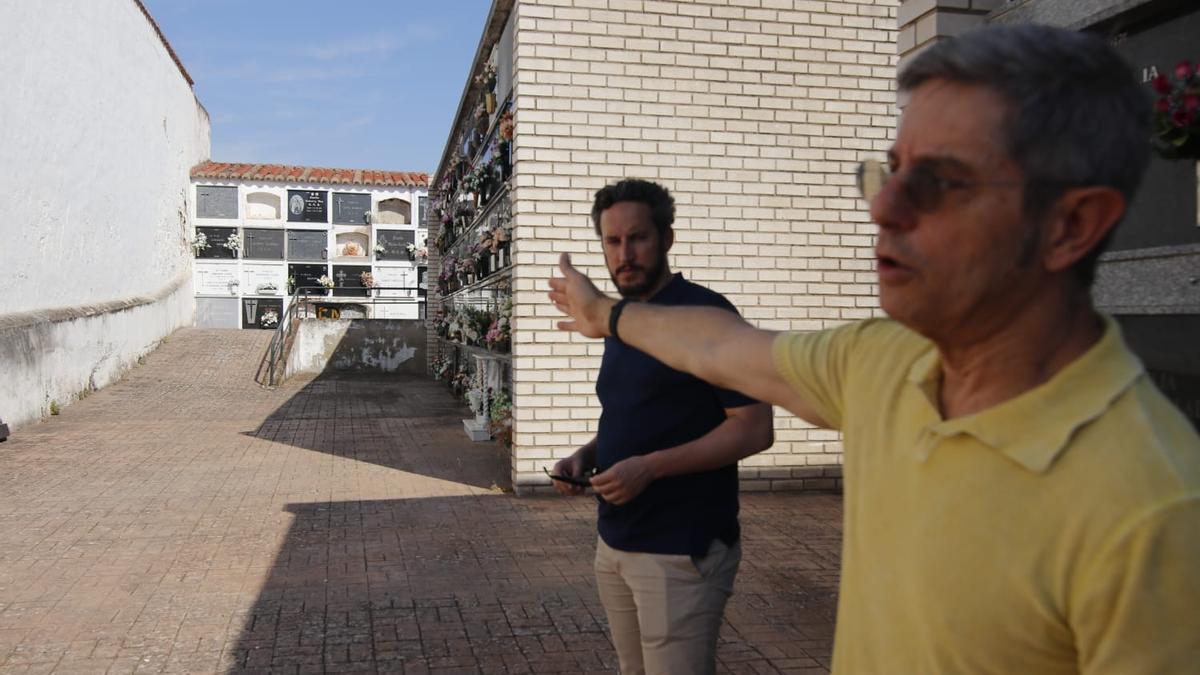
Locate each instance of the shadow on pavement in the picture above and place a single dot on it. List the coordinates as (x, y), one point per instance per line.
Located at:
(406, 422)
(491, 583)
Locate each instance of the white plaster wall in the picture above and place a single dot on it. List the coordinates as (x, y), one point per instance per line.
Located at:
(98, 130)
(49, 361)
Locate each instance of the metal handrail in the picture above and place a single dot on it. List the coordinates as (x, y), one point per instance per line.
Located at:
(272, 358)
(271, 366)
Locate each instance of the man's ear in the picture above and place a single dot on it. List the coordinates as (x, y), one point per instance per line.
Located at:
(668, 238)
(1080, 220)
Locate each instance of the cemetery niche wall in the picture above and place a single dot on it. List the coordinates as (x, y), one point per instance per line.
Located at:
(1166, 211)
(259, 238)
(1149, 278)
(471, 215)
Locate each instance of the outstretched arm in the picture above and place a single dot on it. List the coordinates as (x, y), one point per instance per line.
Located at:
(714, 344)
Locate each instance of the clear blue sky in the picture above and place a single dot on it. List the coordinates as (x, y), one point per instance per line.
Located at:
(360, 84)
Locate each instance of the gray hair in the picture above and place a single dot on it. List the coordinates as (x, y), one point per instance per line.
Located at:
(1077, 114)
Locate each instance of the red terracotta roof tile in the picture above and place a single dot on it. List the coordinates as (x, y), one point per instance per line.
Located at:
(307, 174)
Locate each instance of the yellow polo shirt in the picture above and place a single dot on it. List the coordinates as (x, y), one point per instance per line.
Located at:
(1057, 532)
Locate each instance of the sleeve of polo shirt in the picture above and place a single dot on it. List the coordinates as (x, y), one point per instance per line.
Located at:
(816, 365)
(1137, 608)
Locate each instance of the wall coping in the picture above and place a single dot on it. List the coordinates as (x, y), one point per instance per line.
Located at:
(63, 314)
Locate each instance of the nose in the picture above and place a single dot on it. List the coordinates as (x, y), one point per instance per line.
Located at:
(627, 253)
(891, 209)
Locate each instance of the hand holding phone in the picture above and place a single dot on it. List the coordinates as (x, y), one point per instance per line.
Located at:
(582, 481)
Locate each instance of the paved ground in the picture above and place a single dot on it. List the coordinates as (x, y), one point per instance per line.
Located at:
(185, 520)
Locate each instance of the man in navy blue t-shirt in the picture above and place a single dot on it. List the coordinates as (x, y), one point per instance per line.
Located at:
(665, 459)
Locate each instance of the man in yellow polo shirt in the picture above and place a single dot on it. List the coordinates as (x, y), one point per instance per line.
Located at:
(1019, 497)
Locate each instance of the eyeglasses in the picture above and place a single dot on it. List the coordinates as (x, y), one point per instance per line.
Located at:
(921, 185)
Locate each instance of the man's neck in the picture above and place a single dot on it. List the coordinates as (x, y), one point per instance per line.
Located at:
(1023, 352)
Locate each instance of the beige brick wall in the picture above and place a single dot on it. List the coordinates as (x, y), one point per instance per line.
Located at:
(754, 114)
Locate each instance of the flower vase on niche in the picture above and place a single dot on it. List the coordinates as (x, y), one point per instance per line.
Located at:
(489, 102)
(1177, 112)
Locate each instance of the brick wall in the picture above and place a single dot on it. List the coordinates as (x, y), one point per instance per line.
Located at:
(754, 114)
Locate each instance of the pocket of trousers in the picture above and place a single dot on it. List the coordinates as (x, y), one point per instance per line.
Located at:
(711, 561)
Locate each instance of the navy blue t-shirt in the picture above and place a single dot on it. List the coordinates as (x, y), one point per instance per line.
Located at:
(648, 406)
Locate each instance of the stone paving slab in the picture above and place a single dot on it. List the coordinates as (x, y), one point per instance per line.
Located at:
(185, 520)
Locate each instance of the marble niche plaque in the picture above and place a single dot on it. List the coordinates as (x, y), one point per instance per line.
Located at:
(348, 280)
(394, 243)
(351, 208)
(263, 313)
(215, 278)
(217, 312)
(306, 277)
(259, 278)
(262, 244)
(307, 244)
(216, 238)
(396, 278)
(308, 206)
(216, 201)
(1166, 209)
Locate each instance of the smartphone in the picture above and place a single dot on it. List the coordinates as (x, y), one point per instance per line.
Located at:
(581, 481)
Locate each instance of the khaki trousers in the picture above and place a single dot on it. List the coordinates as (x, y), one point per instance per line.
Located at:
(665, 610)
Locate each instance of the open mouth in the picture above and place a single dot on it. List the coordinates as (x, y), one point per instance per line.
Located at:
(890, 270)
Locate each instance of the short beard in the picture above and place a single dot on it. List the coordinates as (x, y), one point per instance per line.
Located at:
(653, 276)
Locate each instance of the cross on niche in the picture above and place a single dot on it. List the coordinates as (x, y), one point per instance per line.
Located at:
(341, 277)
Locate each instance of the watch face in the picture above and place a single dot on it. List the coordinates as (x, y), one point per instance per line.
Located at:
(296, 205)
